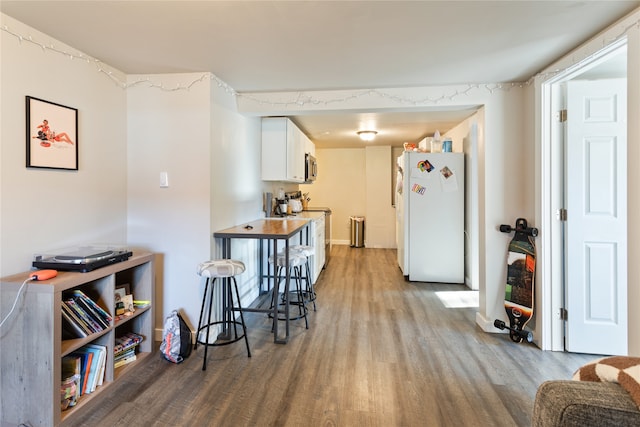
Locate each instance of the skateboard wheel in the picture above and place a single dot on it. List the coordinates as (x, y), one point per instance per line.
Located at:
(515, 337)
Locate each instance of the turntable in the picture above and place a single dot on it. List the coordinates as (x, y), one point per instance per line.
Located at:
(82, 259)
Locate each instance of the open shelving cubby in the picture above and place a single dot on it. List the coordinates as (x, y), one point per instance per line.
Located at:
(31, 344)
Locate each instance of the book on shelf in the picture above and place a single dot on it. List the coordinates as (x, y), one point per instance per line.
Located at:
(93, 359)
(76, 320)
(101, 365)
(121, 361)
(71, 329)
(86, 359)
(125, 354)
(88, 308)
(87, 314)
(91, 324)
(126, 342)
(106, 316)
(93, 369)
(96, 365)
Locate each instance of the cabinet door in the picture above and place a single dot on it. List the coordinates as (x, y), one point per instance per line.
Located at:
(274, 148)
(295, 153)
(282, 150)
(293, 138)
(318, 244)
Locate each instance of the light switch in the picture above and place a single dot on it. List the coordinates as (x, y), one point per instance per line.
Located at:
(164, 179)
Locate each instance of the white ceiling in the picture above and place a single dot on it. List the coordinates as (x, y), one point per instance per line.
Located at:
(271, 46)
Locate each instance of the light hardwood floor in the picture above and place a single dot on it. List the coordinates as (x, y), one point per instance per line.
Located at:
(379, 351)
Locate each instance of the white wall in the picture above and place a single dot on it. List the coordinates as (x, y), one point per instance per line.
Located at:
(507, 192)
(356, 182)
(380, 215)
(341, 185)
(169, 131)
(236, 185)
(45, 209)
(212, 157)
(126, 138)
(465, 140)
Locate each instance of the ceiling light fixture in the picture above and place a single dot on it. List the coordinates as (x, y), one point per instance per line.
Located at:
(367, 135)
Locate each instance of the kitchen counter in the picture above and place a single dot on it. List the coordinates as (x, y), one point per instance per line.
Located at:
(301, 215)
(309, 215)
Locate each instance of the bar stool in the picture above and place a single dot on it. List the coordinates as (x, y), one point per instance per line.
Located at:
(225, 269)
(296, 261)
(307, 251)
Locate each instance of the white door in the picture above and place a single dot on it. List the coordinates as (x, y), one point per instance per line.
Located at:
(596, 247)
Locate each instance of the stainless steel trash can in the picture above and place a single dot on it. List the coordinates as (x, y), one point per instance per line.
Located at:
(357, 231)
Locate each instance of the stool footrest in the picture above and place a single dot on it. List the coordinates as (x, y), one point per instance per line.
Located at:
(222, 334)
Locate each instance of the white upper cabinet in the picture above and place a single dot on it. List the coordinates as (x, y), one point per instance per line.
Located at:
(309, 147)
(283, 150)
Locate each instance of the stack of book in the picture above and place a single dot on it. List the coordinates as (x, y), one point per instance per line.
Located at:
(124, 350)
(86, 365)
(81, 316)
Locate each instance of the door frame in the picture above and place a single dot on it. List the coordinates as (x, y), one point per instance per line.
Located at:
(551, 181)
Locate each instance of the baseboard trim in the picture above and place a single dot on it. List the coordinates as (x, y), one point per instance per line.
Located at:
(487, 324)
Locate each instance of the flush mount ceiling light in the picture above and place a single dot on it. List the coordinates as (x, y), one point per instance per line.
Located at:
(367, 135)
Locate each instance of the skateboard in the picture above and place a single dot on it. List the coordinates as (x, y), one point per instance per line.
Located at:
(521, 268)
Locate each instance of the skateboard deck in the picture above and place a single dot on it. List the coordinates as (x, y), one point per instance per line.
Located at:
(521, 267)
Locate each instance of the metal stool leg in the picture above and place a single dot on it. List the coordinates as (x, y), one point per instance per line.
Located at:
(206, 343)
(204, 298)
(310, 287)
(244, 326)
(302, 305)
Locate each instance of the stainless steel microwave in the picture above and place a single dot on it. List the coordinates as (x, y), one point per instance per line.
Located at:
(310, 169)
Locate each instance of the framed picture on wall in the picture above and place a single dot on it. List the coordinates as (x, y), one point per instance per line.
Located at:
(52, 135)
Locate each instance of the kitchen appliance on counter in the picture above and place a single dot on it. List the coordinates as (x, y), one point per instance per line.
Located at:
(294, 200)
(327, 229)
(430, 216)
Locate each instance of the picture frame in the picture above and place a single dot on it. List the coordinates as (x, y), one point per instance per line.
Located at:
(52, 135)
(121, 291)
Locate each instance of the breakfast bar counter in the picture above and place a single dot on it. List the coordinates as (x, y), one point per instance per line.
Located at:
(272, 229)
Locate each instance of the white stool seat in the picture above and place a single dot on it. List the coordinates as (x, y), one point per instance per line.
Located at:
(220, 268)
(295, 259)
(303, 249)
(226, 270)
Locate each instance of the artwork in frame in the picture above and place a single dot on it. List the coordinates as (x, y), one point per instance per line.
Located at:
(52, 135)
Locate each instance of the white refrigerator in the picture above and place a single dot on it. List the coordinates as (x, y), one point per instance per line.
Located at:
(430, 216)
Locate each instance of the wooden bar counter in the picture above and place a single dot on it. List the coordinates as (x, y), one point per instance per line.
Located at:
(272, 229)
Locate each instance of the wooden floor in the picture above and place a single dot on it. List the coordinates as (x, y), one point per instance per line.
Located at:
(379, 352)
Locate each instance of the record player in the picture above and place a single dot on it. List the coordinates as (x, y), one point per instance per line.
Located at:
(81, 258)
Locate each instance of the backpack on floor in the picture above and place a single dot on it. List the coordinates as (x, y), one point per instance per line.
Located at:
(176, 338)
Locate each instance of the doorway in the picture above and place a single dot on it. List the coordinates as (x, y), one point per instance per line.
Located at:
(608, 63)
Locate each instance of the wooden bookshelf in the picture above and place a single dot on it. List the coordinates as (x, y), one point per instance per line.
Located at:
(31, 345)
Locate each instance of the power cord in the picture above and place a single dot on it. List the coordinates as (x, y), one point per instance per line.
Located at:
(29, 279)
